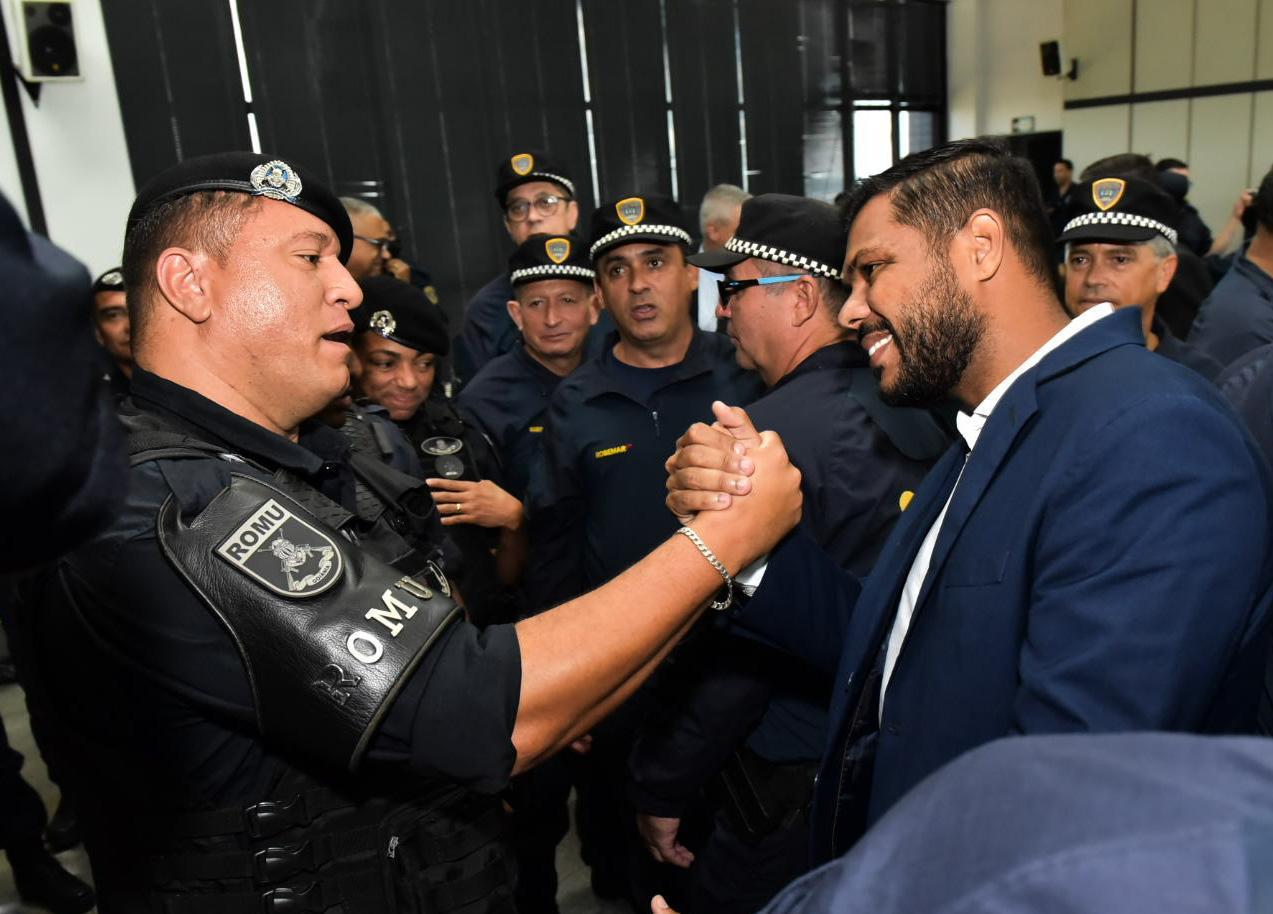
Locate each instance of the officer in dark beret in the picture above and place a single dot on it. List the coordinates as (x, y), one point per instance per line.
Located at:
(111, 326)
(399, 337)
(596, 505)
(536, 195)
(255, 680)
(1120, 250)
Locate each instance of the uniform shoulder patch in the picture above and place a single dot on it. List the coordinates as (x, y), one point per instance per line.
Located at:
(283, 552)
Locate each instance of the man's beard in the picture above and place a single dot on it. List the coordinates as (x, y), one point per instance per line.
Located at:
(938, 335)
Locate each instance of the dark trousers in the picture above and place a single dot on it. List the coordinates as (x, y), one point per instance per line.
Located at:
(734, 875)
(541, 818)
(22, 815)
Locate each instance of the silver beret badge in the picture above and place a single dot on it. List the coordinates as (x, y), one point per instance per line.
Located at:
(383, 323)
(277, 181)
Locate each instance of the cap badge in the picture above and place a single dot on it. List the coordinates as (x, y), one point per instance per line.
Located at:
(631, 210)
(557, 249)
(277, 181)
(383, 323)
(522, 163)
(113, 278)
(1107, 191)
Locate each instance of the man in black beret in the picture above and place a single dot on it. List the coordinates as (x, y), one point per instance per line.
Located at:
(255, 678)
(110, 324)
(751, 716)
(1120, 250)
(536, 195)
(597, 506)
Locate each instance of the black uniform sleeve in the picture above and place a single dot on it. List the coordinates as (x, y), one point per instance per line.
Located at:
(557, 507)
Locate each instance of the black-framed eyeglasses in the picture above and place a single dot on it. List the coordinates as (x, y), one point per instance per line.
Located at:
(545, 205)
(381, 244)
(728, 287)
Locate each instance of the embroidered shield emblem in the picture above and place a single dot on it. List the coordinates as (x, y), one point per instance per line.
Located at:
(282, 552)
(441, 446)
(557, 249)
(383, 323)
(276, 180)
(630, 210)
(522, 163)
(1107, 192)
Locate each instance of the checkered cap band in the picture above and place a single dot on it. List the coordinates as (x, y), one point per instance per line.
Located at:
(643, 228)
(765, 252)
(564, 182)
(1120, 219)
(551, 270)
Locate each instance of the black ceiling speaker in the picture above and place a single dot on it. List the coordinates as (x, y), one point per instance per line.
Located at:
(46, 35)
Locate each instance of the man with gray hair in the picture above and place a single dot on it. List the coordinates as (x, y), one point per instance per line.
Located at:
(1120, 248)
(718, 217)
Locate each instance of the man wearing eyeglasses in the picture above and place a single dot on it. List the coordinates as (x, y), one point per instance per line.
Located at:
(537, 196)
(596, 498)
(749, 717)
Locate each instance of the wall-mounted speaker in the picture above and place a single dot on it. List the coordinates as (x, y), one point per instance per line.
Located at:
(46, 37)
(1050, 52)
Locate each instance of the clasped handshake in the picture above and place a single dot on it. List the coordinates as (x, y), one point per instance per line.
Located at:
(734, 483)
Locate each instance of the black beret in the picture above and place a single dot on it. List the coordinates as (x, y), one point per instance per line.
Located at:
(525, 167)
(400, 312)
(248, 173)
(550, 257)
(110, 281)
(637, 218)
(1117, 210)
(795, 231)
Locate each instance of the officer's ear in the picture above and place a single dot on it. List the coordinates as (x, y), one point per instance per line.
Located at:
(181, 276)
(515, 312)
(805, 300)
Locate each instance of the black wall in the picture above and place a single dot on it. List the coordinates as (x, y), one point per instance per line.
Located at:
(411, 104)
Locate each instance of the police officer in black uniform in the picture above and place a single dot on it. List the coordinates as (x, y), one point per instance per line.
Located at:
(751, 719)
(594, 497)
(257, 682)
(553, 307)
(400, 337)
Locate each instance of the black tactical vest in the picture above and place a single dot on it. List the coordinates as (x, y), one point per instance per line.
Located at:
(331, 611)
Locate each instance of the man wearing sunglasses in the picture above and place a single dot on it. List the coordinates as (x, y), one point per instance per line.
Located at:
(750, 717)
(536, 195)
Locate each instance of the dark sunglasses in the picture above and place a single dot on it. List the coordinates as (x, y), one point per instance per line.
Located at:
(728, 287)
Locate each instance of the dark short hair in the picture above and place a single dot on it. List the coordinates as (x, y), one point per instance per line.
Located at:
(935, 191)
(1066, 162)
(834, 292)
(1122, 165)
(1263, 203)
(1168, 164)
(207, 221)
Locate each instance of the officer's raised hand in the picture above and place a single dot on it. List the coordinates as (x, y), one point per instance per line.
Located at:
(711, 463)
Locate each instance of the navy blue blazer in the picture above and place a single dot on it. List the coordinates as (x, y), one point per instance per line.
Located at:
(1105, 565)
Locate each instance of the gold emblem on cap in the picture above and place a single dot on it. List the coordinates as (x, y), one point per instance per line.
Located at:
(557, 249)
(383, 323)
(1107, 192)
(276, 180)
(522, 163)
(631, 210)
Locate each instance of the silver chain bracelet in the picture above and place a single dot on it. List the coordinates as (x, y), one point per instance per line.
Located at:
(707, 553)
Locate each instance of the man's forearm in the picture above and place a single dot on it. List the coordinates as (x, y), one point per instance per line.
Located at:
(583, 658)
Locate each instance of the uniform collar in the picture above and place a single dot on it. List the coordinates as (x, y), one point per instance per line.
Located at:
(547, 379)
(214, 423)
(844, 354)
(697, 361)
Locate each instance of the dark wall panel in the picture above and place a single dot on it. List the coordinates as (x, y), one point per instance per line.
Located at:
(178, 82)
(772, 97)
(629, 103)
(700, 38)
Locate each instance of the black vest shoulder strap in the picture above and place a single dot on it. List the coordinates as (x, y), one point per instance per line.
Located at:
(914, 432)
(327, 632)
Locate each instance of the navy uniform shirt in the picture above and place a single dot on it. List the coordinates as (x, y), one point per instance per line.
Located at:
(507, 401)
(1183, 353)
(597, 496)
(855, 483)
(1238, 315)
(488, 331)
(188, 726)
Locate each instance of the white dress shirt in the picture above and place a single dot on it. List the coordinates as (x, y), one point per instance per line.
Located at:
(970, 427)
(708, 298)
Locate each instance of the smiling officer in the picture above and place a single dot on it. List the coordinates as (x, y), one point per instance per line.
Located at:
(258, 686)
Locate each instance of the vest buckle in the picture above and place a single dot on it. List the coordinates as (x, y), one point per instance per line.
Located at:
(270, 817)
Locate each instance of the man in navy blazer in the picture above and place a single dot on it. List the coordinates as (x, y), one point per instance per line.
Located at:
(1093, 555)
